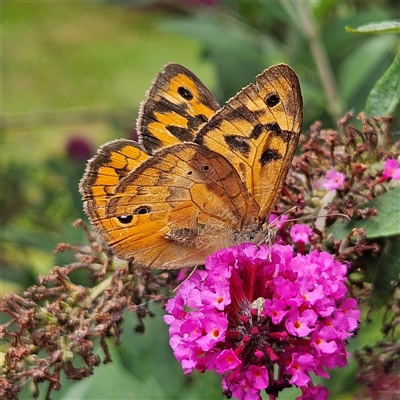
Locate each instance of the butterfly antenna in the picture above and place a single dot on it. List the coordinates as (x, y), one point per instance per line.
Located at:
(311, 217)
(189, 276)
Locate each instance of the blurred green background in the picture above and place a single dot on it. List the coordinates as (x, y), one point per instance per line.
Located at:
(73, 76)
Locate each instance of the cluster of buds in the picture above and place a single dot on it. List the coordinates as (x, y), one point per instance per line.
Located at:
(65, 320)
(338, 171)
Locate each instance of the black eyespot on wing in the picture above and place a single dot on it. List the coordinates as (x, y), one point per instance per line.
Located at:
(205, 167)
(142, 210)
(190, 172)
(125, 219)
(272, 100)
(185, 93)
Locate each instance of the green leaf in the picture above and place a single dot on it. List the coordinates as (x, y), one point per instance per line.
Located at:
(384, 270)
(389, 26)
(385, 95)
(113, 381)
(362, 63)
(150, 354)
(385, 224)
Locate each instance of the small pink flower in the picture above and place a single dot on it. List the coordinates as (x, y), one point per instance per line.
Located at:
(257, 377)
(322, 342)
(226, 361)
(218, 296)
(391, 169)
(299, 367)
(300, 325)
(214, 328)
(334, 180)
(313, 392)
(300, 233)
(191, 329)
(350, 312)
(275, 309)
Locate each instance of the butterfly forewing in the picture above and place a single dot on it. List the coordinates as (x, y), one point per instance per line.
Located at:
(258, 131)
(177, 105)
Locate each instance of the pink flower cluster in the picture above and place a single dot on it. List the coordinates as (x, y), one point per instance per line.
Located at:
(255, 308)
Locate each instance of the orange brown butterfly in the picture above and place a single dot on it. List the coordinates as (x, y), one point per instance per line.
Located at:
(201, 177)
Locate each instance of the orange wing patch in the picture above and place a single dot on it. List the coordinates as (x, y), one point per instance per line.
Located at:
(113, 161)
(177, 105)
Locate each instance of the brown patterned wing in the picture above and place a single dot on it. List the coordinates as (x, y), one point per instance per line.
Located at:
(182, 204)
(177, 105)
(258, 131)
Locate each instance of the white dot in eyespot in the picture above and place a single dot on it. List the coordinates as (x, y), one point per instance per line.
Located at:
(125, 219)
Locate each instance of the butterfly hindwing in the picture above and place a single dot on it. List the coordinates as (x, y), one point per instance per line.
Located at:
(181, 204)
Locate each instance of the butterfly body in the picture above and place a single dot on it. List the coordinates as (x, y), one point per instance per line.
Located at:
(200, 179)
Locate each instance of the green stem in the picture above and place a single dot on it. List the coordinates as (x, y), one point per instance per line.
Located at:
(301, 14)
(99, 289)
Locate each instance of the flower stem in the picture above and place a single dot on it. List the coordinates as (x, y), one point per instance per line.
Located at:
(99, 289)
(302, 16)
